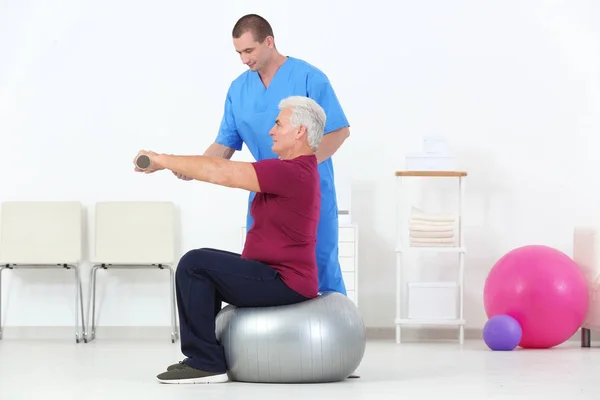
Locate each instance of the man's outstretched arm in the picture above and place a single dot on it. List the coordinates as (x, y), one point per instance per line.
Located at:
(211, 169)
(214, 150)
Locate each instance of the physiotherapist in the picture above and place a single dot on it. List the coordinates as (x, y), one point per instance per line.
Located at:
(251, 108)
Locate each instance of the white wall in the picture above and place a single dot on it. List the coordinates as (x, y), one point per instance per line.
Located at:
(514, 86)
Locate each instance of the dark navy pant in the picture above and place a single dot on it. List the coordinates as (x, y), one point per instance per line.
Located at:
(207, 277)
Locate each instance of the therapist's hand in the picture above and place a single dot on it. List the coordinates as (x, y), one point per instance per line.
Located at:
(182, 177)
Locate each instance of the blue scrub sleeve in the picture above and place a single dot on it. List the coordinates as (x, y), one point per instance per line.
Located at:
(321, 91)
(228, 134)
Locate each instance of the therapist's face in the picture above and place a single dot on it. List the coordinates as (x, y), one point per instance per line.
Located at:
(285, 136)
(252, 53)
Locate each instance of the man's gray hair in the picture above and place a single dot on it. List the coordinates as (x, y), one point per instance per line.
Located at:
(308, 113)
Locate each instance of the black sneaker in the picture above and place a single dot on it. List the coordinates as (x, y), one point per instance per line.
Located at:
(183, 373)
(178, 365)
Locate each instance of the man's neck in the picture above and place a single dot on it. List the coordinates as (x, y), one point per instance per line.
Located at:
(267, 74)
(297, 153)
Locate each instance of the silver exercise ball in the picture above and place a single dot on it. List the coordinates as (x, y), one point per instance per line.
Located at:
(318, 340)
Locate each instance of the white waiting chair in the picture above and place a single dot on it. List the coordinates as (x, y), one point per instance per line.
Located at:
(43, 235)
(133, 235)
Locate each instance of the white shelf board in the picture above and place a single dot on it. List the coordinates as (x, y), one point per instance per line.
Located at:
(427, 249)
(440, 322)
(442, 284)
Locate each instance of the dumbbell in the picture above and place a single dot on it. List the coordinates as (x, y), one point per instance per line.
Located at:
(142, 162)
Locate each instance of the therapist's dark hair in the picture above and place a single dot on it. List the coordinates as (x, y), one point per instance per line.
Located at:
(254, 23)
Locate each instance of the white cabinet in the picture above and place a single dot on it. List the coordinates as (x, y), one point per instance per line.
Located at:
(347, 255)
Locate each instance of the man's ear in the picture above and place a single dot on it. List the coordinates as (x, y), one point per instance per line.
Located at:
(301, 132)
(270, 42)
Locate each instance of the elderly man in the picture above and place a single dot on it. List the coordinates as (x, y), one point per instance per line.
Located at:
(278, 263)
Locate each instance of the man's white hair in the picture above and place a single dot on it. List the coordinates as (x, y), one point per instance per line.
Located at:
(308, 113)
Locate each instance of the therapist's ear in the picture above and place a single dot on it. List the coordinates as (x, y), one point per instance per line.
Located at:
(270, 42)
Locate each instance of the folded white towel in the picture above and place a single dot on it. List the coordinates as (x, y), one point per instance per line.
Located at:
(417, 213)
(432, 241)
(431, 223)
(433, 235)
(417, 244)
(431, 228)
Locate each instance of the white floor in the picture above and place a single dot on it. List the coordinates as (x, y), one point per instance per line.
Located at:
(126, 369)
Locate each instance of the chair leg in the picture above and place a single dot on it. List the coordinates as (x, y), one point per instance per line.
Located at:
(174, 330)
(79, 335)
(91, 324)
(1, 269)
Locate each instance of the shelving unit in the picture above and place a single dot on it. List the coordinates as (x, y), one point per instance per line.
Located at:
(403, 248)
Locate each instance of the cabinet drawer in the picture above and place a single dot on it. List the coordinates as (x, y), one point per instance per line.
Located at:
(346, 234)
(347, 264)
(346, 249)
(349, 280)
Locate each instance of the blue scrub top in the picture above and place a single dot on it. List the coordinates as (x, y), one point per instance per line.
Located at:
(251, 111)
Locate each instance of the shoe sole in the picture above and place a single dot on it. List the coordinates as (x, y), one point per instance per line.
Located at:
(222, 378)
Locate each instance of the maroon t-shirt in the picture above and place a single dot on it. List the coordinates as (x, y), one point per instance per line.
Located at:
(286, 216)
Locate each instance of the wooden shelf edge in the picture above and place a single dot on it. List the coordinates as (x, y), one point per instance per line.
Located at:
(439, 174)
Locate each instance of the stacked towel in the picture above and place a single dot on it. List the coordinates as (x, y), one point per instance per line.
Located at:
(431, 230)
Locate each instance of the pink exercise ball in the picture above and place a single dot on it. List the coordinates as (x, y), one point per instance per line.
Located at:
(543, 289)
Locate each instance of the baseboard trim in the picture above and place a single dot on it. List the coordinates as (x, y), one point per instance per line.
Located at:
(409, 334)
(412, 334)
(104, 332)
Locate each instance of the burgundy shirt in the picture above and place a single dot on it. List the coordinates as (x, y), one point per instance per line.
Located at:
(286, 216)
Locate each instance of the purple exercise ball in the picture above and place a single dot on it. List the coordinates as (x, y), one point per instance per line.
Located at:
(502, 332)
